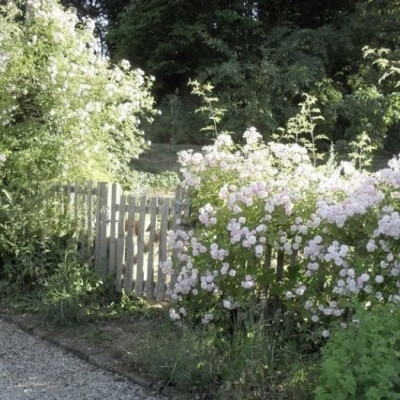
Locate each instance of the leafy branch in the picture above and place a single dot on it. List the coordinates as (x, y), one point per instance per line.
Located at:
(300, 128)
(215, 113)
(362, 151)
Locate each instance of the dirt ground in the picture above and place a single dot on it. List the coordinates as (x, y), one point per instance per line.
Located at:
(106, 343)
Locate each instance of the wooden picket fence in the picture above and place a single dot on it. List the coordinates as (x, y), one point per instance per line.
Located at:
(125, 237)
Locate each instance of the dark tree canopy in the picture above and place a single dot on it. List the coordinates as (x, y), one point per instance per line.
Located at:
(261, 56)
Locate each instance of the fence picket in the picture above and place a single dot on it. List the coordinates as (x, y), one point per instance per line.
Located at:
(68, 199)
(186, 202)
(82, 219)
(60, 196)
(120, 250)
(103, 232)
(160, 287)
(76, 205)
(140, 247)
(152, 235)
(114, 215)
(177, 207)
(97, 226)
(130, 246)
(176, 221)
(89, 227)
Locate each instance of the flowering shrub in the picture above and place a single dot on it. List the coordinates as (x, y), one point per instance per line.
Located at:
(65, 112)
(338, 226)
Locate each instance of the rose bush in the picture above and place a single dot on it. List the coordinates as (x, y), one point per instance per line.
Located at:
(338, 225)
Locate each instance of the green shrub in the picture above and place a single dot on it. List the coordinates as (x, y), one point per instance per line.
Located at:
(145, 182)
(362, 361)
(14, 299)
(68, 292)
(33, 236)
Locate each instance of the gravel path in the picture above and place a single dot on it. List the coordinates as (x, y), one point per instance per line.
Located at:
(34, 369)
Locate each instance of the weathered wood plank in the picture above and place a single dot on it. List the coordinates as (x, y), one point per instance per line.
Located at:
(140, 247)
(177, 210)
(114, 216)
(158, 207)
(82, 223)
(59, 191)
(177, 207)
(103, 239)
(89, 226)
(97, 225)
(186, 200)
(130, 247)
(160, 287)
(68, 199)
(76, 204)
(120, 250)
(151, 253)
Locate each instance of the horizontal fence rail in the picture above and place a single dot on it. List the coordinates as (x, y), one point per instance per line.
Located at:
(125, 237)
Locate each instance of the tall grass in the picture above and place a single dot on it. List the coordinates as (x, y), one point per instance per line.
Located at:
(253, 362)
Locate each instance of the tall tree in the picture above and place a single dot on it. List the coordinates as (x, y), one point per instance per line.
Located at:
(67, 114)
(262, 55)
(174, 39)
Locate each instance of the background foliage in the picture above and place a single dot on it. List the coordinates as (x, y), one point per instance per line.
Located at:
(261, 56)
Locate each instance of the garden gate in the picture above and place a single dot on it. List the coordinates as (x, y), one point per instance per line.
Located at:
(125, 236)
